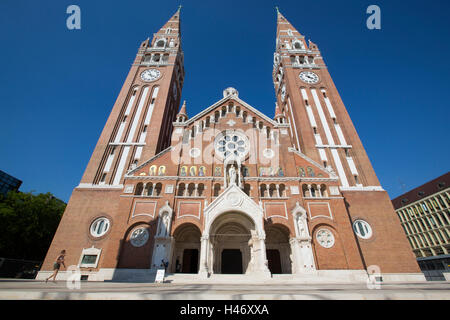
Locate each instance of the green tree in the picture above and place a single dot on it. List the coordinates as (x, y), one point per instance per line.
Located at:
(27, 224)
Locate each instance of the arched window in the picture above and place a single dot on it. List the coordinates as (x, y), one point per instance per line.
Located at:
(200, 189)
(191, 189)
(314, 191)
(139, 189)
(282, 189)
(216, 189)
(263, 190)
(247, 189)
(245, 172)
(158, 189)
(305, 190)
(156, 57)
(323, 190)
(272, 191)
(149, 189)
(181, 189)
(160, 43)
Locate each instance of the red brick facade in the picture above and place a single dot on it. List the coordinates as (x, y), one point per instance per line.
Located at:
(151, 160)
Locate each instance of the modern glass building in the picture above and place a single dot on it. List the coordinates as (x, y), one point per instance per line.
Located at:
(8, 183)
(424, 214)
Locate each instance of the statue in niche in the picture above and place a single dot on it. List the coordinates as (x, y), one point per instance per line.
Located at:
(164, 228)
(302, 233)
(232, 175)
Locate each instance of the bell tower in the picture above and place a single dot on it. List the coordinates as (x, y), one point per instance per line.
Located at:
(319, 121)
(140, 123)
(323, 131)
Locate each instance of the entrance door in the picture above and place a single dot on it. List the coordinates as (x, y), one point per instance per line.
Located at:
(232, 261)
(273, 257)
(190, 261)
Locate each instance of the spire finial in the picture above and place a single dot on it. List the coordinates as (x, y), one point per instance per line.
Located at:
(276, 8)
(179, 7)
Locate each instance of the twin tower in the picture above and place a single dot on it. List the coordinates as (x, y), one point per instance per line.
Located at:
(231, 190)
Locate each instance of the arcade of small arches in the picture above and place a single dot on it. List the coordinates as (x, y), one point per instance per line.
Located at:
(272, 190)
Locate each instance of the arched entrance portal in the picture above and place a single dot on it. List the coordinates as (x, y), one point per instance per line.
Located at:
(278, 249)
(233, 221)
(186, 254)
(230, 241)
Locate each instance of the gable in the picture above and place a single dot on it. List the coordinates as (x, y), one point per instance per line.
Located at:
(235, 101)
(311, 169)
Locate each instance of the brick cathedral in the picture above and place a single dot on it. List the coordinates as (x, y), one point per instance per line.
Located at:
(231, 190)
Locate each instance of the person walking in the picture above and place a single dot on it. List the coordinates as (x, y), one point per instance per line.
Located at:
(57, 265)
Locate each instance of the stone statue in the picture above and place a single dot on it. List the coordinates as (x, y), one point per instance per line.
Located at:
(164, 227)
(301, 228)
(232, 175)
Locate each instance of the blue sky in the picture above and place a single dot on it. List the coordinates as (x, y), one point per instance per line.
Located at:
(58, 85)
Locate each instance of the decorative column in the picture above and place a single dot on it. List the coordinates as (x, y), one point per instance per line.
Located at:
(203, 268)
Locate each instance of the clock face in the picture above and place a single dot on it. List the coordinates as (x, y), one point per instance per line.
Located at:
(150, 75)
(309, 77)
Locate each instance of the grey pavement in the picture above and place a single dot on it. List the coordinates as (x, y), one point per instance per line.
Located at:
(38, 290)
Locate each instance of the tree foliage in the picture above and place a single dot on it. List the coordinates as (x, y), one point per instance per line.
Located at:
(28, 223)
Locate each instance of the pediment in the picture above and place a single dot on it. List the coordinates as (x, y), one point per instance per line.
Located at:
(225, 101)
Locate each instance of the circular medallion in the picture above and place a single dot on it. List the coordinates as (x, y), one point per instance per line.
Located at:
(268, 153)
(194, 152)
(325, 238)
(234, 198)
(139, 237)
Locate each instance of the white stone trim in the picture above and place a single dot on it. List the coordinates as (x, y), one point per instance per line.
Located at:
(98, 186)
(368, 188)
(89, 251)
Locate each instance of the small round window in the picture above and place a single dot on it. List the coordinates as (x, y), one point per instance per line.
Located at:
(99, 227)
(362, 229)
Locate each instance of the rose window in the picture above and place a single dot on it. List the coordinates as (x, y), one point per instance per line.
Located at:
(325, 238)
(232, 144)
